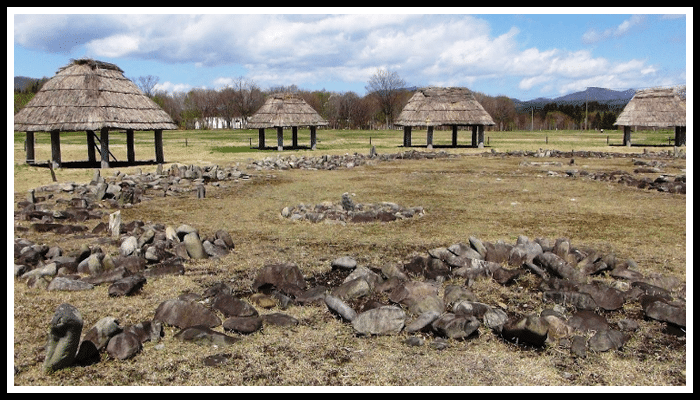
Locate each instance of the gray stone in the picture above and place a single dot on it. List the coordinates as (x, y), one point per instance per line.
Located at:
(344, 262)
(530, 329)
(194, 246)
(661, 310)
(422, 322)
(204, 335)
(232, 306)
(339, 307)
(494, 319)
(455, 326)
(385, 320)
(183, 314)
(64, 338)
(243, 324)
(124, 346)
(352, 289)
(61, 283)
(128, 246)
(126, 286)
(605, 340)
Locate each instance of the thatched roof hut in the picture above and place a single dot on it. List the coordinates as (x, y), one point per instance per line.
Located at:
(437, 106)
(90, 95)
(654, 108)
(285, 110)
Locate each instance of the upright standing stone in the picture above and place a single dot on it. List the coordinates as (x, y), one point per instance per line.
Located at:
(64, 338)
(115, 223)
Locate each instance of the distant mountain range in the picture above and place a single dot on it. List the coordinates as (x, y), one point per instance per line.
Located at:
(22, 81)
(601, 95)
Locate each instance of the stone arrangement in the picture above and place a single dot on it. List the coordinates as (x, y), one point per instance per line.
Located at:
(427, 298)
(416, 299)
(347, 211)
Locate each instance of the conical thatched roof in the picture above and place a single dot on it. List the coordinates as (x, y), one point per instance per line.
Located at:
(285, 109)
(91, 95)
(434, 106)
(653, 107)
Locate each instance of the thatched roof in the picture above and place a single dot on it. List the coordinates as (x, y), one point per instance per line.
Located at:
(653, 107)
(285, 109)
(434, 106)
(90, 95)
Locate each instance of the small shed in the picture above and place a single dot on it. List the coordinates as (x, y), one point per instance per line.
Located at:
(92, 96)
(438, 106)
(283, 110)
(658, 107)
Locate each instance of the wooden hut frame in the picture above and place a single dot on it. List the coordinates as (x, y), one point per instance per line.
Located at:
(653, 108)
(452, 106)
(92, 96)
(283, 110)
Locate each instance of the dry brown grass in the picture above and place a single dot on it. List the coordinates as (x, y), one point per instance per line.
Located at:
(487, 197)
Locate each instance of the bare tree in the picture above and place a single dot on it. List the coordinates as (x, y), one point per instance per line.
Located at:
(147, 84)
(248, 98)
(386, 86)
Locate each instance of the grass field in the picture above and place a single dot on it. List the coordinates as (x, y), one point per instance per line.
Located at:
(490, 198)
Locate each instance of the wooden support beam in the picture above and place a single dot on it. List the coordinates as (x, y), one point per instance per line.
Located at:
(627, 136)
(130, 154)
(56, 147)
(454, 135)
(680, 136)
(261, 138)
(430, 137)
(158, 136)
(91, 145)
(406, 136)
(474, 136)
(313, 137)
(29, 146)
(104, 152)
(280, 140)
(294, 136)
(480, 131)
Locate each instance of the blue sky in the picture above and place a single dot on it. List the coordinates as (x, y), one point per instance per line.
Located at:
(521, 53)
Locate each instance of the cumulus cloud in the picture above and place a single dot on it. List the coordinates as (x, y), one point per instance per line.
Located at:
(593, 35)
(302, 49)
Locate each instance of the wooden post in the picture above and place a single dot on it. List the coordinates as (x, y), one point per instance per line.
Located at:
(430, 137)
(30, 147)
(294, 136)
(454, 135)
(313, 137)
(130, 154)
(158, 138)
(104, 152)
(474, 136)
(91, 146)
(406, 136)
(627, 136)
(480, 132)
(280, 140)
(680, 136)
(261, 138)
(56, 147)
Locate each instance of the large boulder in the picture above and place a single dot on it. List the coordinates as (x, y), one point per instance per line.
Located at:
(385, 320)
(183, 314)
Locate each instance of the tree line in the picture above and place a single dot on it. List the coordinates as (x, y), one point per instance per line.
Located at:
(387, 94)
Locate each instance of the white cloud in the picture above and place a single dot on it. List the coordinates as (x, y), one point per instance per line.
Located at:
(114, 46)
(592, 35)
(287, 49)
(170, 87)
